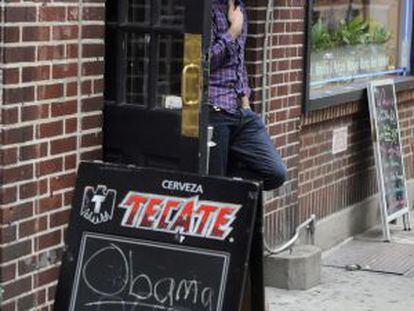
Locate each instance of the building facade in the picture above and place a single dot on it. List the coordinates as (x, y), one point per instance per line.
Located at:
(52, 99)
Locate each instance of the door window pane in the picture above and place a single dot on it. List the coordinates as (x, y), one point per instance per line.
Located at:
(139, 11)
(172, 13)
(137, 68)
(170, 68)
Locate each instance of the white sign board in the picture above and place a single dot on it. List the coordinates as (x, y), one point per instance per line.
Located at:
(340, 140)
(388, 150)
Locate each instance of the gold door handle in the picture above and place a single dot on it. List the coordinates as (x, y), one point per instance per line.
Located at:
(190, 85)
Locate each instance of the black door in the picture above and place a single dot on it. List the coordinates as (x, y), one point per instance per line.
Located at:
(155, 89)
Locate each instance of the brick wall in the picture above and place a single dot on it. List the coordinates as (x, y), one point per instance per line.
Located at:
(330, 183)
(51, 100)
(285, 66)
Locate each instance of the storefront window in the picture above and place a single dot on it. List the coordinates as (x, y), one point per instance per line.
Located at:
(353, 41)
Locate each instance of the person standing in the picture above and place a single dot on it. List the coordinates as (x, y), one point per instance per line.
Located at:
(243, 146)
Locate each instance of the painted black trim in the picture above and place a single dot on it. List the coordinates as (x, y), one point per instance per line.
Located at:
(401, 84)
(307, 49)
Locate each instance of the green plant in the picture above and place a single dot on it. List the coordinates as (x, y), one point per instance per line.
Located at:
(321, 37)
(379, 34)
(354, 32)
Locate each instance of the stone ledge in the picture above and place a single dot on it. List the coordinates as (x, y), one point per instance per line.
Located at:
(296, 270)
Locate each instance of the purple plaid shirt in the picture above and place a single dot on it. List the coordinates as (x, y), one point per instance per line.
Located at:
(228, 74)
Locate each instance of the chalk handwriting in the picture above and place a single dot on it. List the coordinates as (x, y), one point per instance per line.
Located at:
(139, 289)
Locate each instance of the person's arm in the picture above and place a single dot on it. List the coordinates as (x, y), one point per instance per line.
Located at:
(221, 47)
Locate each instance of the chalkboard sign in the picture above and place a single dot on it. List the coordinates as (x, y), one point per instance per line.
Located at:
(388, 152)
(147, 240)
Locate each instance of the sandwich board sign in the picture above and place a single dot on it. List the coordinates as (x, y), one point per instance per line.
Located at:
(143, 239)
(388, 150)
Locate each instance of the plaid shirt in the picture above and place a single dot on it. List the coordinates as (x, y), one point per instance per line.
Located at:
(228, 74)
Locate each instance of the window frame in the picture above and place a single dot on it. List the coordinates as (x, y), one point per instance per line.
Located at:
(359, 92)
(123, 27)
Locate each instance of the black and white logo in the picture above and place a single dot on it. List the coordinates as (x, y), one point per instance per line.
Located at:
(98, 204)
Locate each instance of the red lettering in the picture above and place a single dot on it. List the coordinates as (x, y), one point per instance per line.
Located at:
(133, 204)
(151, 211)
(165, 217)
(184, 217)
(224, 219)
(205, 215)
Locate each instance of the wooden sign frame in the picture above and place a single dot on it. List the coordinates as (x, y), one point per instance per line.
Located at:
(388, 149)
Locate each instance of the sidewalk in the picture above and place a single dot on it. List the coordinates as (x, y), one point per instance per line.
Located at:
(360, 290)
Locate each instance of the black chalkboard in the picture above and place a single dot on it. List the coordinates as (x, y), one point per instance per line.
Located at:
(388, 151)
(150, 240)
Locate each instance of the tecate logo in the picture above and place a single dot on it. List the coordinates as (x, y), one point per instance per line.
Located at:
(183, 216)
(182, 186)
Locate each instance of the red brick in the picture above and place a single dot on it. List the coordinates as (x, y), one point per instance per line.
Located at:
(37, 33)
(48, 167)
(64, 108)
(93, 13)
(30, 152)
(19, 54)
(93, 50)
(93, 31)
(50, 129)
(92, 155)
(72, 89)
(65, 71)
(8, 273)
(11, 34)
(8, 195)
(93, 139)
(50, 203)
(32, 226)
(47, 276)
(18, 173)
(71, 126)
(8, 156)
(59, 218)
(51, 52)
(62, 182)
(91, 122)
(93, 68)
(19, 95)
(66, 32)
(50, 91)
(20, 14)
(10, 116)
(48, 240)
(36, 73)
(55, 14)
(34, 112)
(70, 162)
(8, 234)
(15, 250)
(72, 51)
(28, 190)
(11, 75)
(17, 135)
(63, 145)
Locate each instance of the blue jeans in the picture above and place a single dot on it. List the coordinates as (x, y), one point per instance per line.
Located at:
(244, 149)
